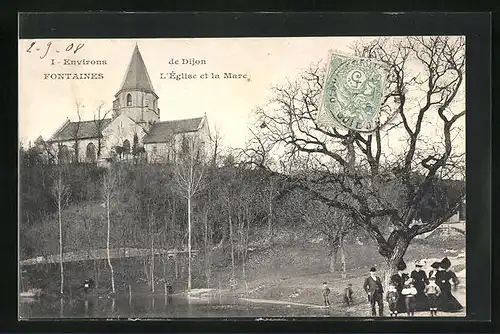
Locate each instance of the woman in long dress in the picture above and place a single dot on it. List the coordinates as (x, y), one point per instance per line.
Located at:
(399, 280)
(420, 281)
(444, 279)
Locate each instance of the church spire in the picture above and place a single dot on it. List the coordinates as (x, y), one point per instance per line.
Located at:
(137, 77)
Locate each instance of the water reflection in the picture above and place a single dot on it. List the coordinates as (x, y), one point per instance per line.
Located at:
(162, 306)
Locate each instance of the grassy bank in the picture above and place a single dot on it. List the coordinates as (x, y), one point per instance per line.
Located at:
(286, 272)
(295, 273)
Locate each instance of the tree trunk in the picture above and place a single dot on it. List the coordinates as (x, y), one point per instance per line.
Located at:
(96, 269)
(394, 258)
(176, 266)
(233, 279)
(60, 237)
(189, 241)
(207, 248)
(270, 216)
(152, 265)
(333, 259)
(342, 258)
(107, 248)
(245, 250)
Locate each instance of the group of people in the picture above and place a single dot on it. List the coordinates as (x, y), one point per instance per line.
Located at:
(417, 291)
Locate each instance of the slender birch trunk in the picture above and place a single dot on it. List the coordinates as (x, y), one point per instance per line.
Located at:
(60, 234)
(107, 247)
(152, 264)
(189, 240)
(270, 215)
(232, 249)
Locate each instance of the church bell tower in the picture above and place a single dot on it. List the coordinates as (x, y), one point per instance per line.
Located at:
(136, 97)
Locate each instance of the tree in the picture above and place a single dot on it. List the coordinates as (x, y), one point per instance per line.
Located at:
(335, 225)
(99, 122)
(189, 171)
(365, 175)
(110, 186)
(216, 139)
(60, 191)
(75, 135)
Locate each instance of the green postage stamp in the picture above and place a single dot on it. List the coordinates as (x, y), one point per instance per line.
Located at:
(352, 93)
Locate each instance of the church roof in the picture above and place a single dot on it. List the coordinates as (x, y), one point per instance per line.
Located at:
(137, 77)
(86, 129)
(162, 131)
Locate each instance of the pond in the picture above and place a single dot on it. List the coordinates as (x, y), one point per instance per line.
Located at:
(161, 307)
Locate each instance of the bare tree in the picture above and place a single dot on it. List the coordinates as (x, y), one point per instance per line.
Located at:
(189, 171)
(366, 175)
(335, 225)
(99, 122)
(75, 134)
(61, 192)
(216, 139)
(110, 185)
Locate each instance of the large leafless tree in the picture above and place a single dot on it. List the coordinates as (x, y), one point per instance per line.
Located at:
(382, 179)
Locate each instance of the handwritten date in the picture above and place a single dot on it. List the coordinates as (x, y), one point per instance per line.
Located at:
(71, 47)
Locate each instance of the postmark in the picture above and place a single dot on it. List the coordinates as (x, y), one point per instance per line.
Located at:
(352, 93)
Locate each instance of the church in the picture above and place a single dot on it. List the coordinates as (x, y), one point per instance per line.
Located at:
(134, 130)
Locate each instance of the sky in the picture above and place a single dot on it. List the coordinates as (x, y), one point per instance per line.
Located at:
(44, 104)
(228, 103)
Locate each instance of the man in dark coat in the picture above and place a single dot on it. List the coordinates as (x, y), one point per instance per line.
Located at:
(374, 290)
(420, 280)
(399, 280)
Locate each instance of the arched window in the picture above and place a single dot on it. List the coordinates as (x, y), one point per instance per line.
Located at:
(91, 155)
(63, 154)
(126, 146)
(129, 100)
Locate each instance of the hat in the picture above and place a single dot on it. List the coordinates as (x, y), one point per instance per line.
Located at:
(324, 283)
(445, 263)
(401, 265)
(373, 269)
(419, 263)
(435, 265)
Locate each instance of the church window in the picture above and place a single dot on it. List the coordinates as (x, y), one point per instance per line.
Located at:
(126, 146)
(129, 100)
(91, 153)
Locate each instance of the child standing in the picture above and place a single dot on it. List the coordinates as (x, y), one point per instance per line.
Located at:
(409, 292)
(326, 294)
(432, 291)
(392, 299)
(348, 295)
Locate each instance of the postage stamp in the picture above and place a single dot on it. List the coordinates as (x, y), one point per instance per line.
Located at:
(352, 92)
